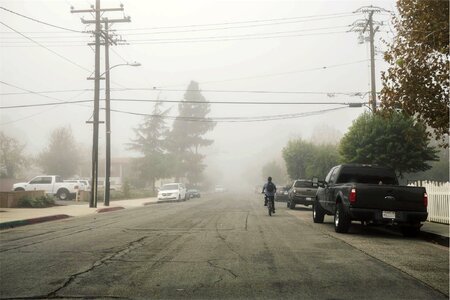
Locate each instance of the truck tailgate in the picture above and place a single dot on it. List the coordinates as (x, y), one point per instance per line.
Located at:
(390, 197)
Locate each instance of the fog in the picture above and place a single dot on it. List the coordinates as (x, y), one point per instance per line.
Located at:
(316, 57)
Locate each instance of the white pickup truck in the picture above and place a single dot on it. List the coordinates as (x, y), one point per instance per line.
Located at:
(51, 184)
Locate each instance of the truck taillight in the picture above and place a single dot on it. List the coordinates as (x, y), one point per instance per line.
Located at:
(352, 196)
(425, 199)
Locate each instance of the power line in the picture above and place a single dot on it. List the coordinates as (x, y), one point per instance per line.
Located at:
(241, 35)
(220, 28)
(223, 39)
(45, 104)
(38, 113)
(184, 101)
(40, 45)
(194, 38)
(313, 17)
(234, 119)
(202, 90)
(275, 74)
(41, 22)
(256, 36)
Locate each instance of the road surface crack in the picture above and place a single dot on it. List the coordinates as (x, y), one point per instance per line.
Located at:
(129, 247)
(222, 268)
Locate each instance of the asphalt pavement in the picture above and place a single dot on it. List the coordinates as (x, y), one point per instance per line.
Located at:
(14, 217)
(217, 247)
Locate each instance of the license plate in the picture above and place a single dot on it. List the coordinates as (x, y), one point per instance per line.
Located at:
(308, 198)
(389, 214)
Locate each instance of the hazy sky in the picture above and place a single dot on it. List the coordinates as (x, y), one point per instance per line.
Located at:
(241, 46)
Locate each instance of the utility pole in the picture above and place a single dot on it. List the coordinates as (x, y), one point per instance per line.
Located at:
(107, 117)
(361, 27)
(108, 40)
(98, 34)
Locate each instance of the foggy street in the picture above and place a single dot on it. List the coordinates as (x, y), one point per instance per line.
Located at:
(222, 245)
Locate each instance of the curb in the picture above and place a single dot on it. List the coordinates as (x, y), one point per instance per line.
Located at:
(436, 238)
(168, 201)
(12, 224)
(107, 209)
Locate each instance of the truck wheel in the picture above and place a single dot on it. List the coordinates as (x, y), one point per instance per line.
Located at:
(19, 190)
(63, 194)
(410, 231)
(292, 205)
(341, 219)
(318, 213)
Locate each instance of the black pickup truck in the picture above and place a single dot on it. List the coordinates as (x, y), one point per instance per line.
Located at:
(372, 195)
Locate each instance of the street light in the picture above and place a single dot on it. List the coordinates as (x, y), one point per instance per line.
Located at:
(108, 123)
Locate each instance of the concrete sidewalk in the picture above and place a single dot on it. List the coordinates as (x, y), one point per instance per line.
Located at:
(437, 232)
(13, 217)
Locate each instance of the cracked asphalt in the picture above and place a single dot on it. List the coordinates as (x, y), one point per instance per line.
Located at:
(221, 246)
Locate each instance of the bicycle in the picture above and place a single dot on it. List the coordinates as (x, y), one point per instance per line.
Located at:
(269, 205)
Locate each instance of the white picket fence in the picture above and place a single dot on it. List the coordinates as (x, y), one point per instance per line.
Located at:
(438, 200)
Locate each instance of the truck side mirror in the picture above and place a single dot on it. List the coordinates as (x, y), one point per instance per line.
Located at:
(322, 184)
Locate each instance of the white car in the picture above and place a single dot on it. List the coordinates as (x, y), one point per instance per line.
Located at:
(219, 189)
(172, 191)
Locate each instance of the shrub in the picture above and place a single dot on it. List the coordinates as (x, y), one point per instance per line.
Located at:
(36, 202)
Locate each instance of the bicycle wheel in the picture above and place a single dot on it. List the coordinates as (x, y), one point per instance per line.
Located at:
(269, 207)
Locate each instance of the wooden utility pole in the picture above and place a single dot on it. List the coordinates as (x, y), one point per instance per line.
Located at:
(98, 34)
(361, 27)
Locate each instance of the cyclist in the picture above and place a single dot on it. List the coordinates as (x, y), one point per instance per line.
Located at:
(269, 190)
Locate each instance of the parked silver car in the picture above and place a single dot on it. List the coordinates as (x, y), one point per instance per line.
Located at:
(303, 192)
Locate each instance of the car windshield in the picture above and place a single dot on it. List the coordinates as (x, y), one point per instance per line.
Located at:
(169, 187)
(303, 184)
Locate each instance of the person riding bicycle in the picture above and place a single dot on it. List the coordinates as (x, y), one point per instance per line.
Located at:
(269, 190)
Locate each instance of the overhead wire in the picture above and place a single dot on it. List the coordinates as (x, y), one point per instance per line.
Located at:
(184, 90)
(185, 40)
(41, 22)
(36, 114)
(193, 38)
(322, 17)
(235, 119)
(125, 31)
(40, 45)
(180, 101)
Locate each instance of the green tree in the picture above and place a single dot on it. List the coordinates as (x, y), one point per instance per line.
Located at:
(393, 139)
(439, 169)
(150, 142)
(324, 158)
(61, 155)
(298, 154)
(417, 81)
(307, 160)
(274, 170)
(187, 135)
(12, 160)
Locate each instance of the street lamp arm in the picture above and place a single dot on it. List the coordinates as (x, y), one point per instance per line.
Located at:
(133, 64)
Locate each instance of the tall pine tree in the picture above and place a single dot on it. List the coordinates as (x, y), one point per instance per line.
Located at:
(187, 135)
(150, 142)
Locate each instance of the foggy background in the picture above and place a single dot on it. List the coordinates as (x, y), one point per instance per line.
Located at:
(232, 47)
